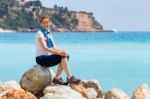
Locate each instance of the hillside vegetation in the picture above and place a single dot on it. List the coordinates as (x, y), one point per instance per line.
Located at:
(25, 17)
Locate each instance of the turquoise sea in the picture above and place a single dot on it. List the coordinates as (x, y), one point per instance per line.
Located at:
(120, 59)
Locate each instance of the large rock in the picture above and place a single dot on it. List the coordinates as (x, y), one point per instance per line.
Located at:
(53, 88)
(18, 94)
(61, 92)
(143, 92)
(89, 88)
(116, 94)
(81, 89)
(5, 87)
(36, 79)
(9, 85)
(91, 92)
(94, 84)
(12, 90)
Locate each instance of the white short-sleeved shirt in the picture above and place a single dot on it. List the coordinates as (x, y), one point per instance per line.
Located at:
(39, 50)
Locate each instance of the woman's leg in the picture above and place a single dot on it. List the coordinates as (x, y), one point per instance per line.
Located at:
(59, 71)
(63, 66)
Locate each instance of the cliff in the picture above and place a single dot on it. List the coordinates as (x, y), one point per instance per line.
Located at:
(86, 22)
(24, 17)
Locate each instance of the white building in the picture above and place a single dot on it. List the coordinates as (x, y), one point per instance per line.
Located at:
(21, 2)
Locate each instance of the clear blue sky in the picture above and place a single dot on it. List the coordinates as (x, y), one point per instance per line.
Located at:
(124, 15)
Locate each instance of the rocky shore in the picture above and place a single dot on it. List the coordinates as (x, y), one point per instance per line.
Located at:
(58, 30)
(3, 30)
(36, 84)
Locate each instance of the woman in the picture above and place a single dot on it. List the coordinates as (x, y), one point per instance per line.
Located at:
(48, 55)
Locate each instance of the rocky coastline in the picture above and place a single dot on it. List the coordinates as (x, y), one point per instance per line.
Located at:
(3, 30)
(36, 84)
(59, 30)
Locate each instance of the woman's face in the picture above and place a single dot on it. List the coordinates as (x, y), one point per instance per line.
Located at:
(45, 23)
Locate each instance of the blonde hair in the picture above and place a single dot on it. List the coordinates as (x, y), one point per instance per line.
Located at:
(44, 17)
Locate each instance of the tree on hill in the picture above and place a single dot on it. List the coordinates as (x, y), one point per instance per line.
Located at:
(36, 3)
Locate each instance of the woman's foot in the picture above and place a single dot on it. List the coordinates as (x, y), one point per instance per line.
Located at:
(73, 80)
(59, 81)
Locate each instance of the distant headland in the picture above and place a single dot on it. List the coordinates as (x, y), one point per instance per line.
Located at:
(23, 16)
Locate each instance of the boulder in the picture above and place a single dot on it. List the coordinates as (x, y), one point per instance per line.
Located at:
(94, 84)
(9, 85)
(18, 94)
(116, 94)
(5, 87)
(53, 88)
(91, 92)
(89, 88)
(142, 92)
(36, 79)
(60, 92)
(12, 90)
(81, 89)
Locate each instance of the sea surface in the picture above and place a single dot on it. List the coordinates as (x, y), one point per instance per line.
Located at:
(117, 60)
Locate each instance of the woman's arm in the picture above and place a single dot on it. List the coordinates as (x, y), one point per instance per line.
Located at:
(51, 50)
(56, 48)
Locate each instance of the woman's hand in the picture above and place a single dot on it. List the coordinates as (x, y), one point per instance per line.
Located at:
(64, 53)
(52, 50)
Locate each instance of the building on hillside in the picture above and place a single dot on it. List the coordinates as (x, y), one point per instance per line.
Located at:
(21, 2)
